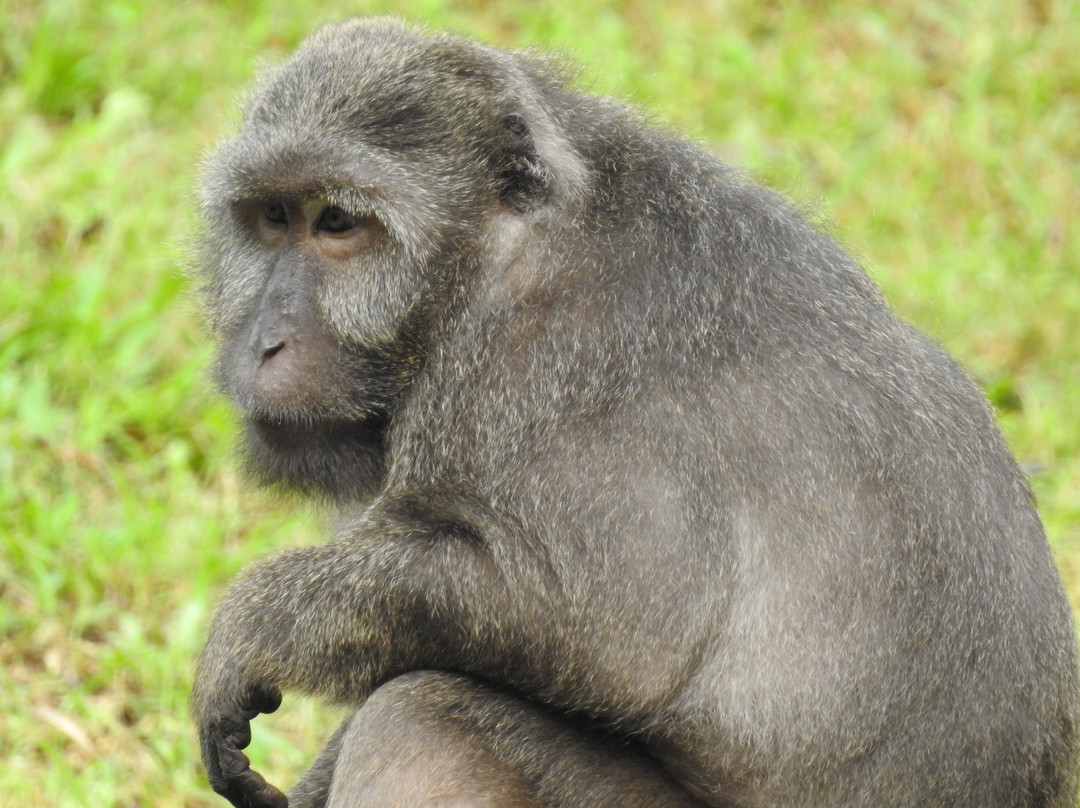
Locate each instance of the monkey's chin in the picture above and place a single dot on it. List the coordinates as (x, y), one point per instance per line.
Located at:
(338, 459)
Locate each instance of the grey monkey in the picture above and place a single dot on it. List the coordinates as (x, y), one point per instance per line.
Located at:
(646, 497)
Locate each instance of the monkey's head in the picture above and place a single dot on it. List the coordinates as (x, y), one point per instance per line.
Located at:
(344, 220)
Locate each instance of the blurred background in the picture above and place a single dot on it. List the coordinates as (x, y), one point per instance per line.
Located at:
(939, 138)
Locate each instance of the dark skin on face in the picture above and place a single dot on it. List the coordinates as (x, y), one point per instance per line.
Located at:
(317, 226)
(645, 496)
(307, 240)
(325, 235)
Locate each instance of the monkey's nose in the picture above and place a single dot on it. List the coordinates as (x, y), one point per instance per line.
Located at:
(266, 346)
(270, 351)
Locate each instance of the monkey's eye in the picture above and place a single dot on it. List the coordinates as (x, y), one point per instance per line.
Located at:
(274, 212)
(335, 220)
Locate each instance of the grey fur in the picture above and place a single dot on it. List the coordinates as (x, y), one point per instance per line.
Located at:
(618, 431)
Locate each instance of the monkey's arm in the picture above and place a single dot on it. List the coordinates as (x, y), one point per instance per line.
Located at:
(337, 620)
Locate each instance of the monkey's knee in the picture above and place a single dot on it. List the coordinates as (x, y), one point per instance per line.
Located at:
(404, 749)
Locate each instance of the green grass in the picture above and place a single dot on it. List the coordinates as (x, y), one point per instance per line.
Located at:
(941, 139)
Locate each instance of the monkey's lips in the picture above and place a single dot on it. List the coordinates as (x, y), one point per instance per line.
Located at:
(343, 459)
(308, 434)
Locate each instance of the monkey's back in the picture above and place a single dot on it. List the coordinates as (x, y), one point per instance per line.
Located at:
(863, 553)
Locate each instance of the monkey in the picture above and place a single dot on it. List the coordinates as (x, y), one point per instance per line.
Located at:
(644, 495)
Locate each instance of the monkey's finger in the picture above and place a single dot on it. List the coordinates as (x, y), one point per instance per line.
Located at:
(240, 737)
(232, 764)
(241, 785)
(234, 730)
(251, 790)
(261, 794)
(263, 699)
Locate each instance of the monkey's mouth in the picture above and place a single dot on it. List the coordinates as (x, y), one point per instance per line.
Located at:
(342, 459)
(324, 440)
(314, 434)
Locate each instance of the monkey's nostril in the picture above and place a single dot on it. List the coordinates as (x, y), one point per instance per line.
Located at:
(271, 351)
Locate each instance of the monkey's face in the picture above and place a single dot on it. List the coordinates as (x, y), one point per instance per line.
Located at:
(317, 285)
(284, 362)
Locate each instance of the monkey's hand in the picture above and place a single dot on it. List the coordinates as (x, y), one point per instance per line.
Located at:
(224, 730)
(225, 698)
(271, 619)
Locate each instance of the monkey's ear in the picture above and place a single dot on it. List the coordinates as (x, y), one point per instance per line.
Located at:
(525, 179)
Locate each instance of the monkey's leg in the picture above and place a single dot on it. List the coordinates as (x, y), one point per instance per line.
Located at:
(437, 739)
(313, 787)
